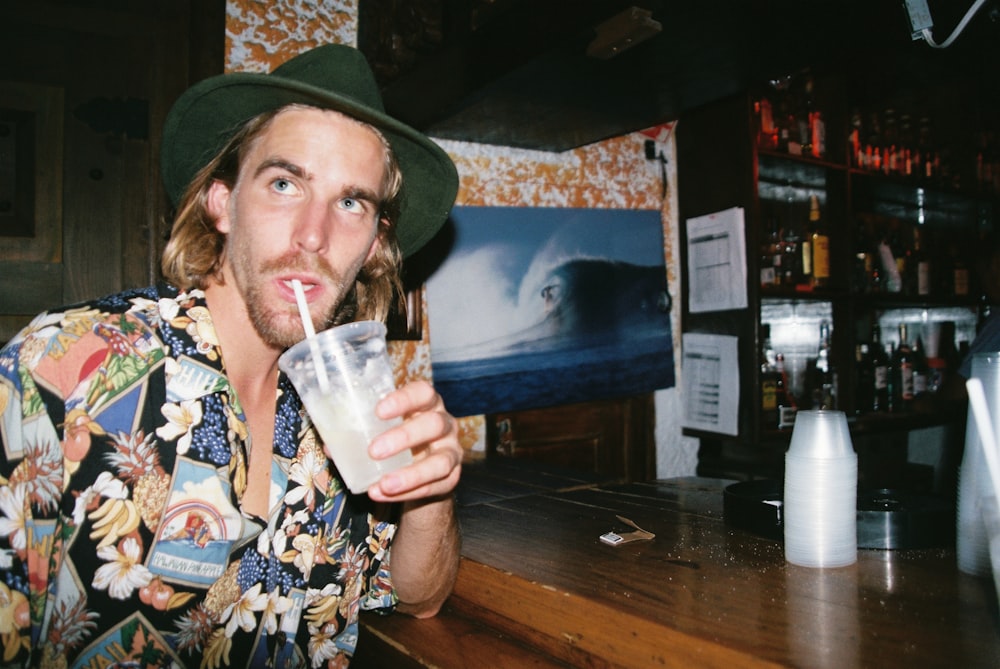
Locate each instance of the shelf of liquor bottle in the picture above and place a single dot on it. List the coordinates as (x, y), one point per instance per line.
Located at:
(885, 301)
(782, 178)
(941, 193)
(883, 423)
(801, 293)
(931, 412)
(792, 159)
(893, 200)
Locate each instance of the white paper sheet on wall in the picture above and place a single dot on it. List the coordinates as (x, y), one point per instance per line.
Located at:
(711, 393)
(717, 268)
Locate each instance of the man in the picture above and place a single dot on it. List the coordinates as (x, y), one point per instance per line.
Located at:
(164, 498)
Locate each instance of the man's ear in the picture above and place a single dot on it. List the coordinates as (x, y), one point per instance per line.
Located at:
(376, 243)
(217, 204)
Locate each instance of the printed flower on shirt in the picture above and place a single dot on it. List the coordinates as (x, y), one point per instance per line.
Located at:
(309, 472)
(14, 616)
(276, 607)
(242, 612)
(12, 521)
(122, 574)
(181, 421)
(322, 643)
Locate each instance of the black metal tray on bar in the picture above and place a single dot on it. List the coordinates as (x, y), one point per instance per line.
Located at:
(887, 518)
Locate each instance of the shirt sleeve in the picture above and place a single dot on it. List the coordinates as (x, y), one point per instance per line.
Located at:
(31, 475)
(379, 595)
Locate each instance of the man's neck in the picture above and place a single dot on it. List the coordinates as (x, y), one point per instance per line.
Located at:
(252, 369)
(251, 363)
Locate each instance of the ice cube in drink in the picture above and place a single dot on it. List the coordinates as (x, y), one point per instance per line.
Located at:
(347, 431)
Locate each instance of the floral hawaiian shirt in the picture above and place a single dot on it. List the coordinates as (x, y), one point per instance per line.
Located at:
(122, 470)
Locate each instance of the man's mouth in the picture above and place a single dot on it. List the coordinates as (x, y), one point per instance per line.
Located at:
(290, 283)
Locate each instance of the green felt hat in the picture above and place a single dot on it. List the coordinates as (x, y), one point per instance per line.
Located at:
(333, 76)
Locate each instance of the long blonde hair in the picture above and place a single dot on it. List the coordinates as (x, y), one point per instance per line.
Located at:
(195, 251)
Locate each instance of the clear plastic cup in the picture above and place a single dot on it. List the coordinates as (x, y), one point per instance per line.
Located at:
(819, 511)
(821, 434)
(341, 398)
(991, 521)
(972, 540)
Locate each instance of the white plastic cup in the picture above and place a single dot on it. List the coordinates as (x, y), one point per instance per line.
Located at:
(991, 521)
(972, 541)
(358, 375)
(819, 511)
(821, 434)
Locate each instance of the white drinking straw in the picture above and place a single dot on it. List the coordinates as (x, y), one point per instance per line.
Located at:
(977, 400)
(307, 325)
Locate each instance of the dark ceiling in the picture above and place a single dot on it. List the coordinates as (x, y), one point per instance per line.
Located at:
(516, 72)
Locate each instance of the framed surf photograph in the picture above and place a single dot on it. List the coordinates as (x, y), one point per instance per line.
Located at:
(536, 307)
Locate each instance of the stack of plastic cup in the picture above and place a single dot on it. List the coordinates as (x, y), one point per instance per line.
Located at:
(972, 539)
(821, 492)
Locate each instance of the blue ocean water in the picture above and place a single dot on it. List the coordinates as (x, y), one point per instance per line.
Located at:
(538, 375)
(540, 307)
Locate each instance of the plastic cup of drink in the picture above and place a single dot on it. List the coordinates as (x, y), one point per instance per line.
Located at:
(341, 403)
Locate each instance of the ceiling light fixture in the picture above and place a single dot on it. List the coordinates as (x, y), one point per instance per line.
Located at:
(623, 31)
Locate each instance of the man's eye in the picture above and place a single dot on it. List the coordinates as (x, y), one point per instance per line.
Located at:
(282, 185)
(350, 204)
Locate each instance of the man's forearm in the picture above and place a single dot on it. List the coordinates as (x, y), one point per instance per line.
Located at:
(425, 554)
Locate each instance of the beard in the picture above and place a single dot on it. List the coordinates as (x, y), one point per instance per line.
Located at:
(277, 323)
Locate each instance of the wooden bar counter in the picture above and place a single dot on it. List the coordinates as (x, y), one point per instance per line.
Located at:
(538, 588)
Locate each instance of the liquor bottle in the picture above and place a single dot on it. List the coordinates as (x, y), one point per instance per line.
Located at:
(855, 149)
(892, 279)
(864, 395)
(905, 152)
(891, 137)
(770, 256)
(784, 120)
(820, 245)
(891, 405)
(768, 134)
(816, 145)
(786, 400)
(864, 260)
(879, 364)
(824, 383)
(791, 248)
(873, 144)
(959, 273)
(947, 360)
(930, 156)
(925, 165)
(769, 380)
(921, 370)
(902, 364)
(902, 256)
(806, 256)
(801, 92)
(920, 266)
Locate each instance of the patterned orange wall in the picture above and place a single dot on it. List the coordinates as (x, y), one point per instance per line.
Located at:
(612, 174)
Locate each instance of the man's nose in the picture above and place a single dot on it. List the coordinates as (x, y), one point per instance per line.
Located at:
(312, 228)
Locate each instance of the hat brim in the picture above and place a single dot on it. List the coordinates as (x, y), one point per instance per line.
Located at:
(208, 114)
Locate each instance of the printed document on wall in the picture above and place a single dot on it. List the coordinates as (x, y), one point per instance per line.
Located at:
(717, 269)
(711, 395)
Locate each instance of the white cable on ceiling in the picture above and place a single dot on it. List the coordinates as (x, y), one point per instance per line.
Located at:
(926, 32)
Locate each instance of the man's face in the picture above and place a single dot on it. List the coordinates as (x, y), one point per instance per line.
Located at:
(304, 206)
